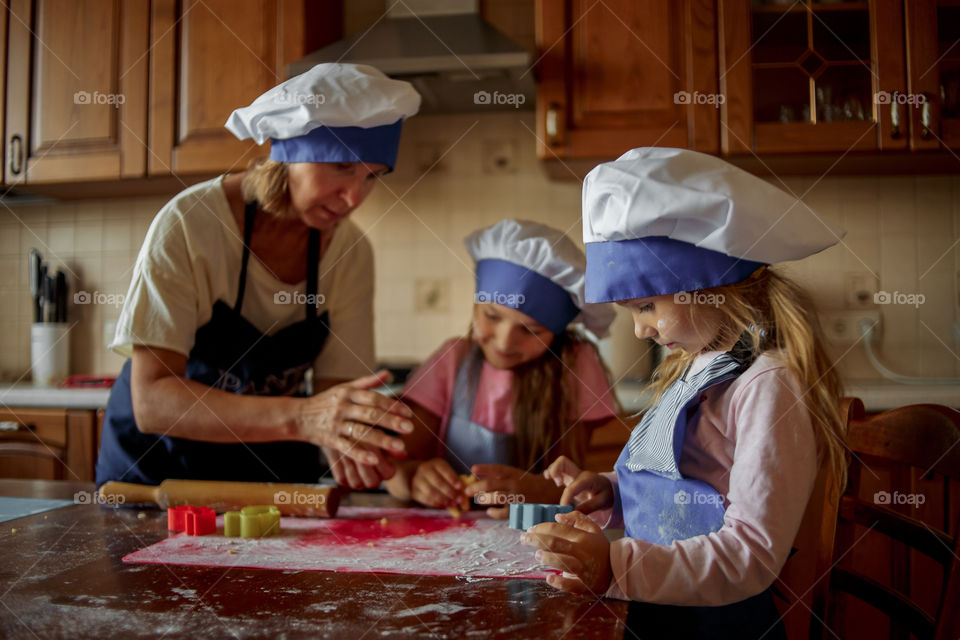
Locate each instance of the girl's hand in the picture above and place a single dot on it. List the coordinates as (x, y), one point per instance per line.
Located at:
(576, 546)
(590, 490)
(436, 484)
(345, 418)
(503, 485)
(357, 476)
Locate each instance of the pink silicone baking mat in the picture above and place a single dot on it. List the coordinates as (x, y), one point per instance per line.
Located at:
(364, 540)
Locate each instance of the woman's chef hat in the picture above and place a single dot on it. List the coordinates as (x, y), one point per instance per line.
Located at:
(658, 221)
(332, 113)
(537, 270)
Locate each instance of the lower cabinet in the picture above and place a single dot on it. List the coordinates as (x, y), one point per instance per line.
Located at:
(48, 444)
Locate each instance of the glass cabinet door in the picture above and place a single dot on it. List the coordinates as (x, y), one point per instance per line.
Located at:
(933, 43)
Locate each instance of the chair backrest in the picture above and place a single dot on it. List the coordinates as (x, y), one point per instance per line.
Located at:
(926, 438)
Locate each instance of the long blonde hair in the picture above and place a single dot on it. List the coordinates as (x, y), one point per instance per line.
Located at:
(775, 315)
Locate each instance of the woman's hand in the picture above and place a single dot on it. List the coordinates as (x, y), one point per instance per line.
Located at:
(590, 490)
(436, 484)
(503, 485)
(576, 546)
(357, 476)
(348, 418)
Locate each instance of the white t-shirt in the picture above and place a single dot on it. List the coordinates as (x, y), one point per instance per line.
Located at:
(191, 258)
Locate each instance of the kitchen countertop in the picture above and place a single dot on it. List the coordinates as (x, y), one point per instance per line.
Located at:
(27, 395)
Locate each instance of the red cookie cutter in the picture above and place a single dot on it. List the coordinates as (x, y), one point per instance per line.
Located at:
(194, 521)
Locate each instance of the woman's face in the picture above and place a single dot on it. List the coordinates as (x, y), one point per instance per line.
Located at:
(323, 193)
(508, 338)
(669, 323)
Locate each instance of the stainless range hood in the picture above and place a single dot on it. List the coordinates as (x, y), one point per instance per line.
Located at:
(456, 60)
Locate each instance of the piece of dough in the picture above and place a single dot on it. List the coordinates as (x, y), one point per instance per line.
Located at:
(456, 512)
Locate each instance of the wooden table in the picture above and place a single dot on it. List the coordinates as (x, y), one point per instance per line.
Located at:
(62, 576)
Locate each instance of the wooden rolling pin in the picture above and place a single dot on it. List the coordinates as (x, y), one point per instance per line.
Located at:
(291, 499)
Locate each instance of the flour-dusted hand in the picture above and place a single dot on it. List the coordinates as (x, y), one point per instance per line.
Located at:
(500, 485)
(436, 484)
(357, 476)
(590, 491)
(576, 546)
(350, 417)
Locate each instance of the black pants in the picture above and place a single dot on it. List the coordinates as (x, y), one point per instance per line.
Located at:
(750, 619)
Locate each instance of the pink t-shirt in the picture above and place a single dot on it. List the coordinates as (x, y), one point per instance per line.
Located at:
(754, 444)
(431, 386)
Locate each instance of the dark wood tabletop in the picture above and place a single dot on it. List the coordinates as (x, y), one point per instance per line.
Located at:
(62, 576)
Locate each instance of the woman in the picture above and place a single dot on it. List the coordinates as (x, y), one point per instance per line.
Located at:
(246, 285)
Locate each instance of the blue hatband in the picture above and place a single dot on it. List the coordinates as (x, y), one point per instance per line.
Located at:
(511, 285)
(341, 144)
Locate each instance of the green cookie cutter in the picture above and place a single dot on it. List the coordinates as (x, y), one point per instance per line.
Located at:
(252, 522)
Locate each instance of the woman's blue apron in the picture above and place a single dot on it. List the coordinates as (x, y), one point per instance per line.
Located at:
(660, 505)
(230, 354)
(467, 443)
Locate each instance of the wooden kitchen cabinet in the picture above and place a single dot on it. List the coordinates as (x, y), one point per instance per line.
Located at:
(75, 94)
(933, 62)
(209, 57)
(625, 73)
(48, 444)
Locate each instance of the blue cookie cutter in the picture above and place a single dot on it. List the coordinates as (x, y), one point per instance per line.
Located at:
(524, 516)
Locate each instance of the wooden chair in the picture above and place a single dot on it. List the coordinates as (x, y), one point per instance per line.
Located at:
(926, 438)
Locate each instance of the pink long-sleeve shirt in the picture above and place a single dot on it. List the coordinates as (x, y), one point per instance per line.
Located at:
(754, 443)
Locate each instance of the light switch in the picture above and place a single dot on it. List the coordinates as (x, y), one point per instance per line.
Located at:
(431, 295)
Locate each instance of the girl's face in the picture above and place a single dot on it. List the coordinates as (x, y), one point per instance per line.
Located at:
(323, 193)
(670, 324)
(508, 338)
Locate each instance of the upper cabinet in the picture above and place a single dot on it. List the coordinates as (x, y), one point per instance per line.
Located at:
(100, 90)
(837, 76)
(209, 57)
(933, 62)
(619, 74)
(76, 90)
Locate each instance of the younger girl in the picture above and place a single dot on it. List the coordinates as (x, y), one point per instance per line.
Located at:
(714, 480)
(521, 389)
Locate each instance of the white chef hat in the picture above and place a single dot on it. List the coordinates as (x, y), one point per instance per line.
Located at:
(658, 221)
(537, 270)
(335, 112)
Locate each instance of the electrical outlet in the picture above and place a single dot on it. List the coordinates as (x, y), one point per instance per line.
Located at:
(845, 327)
(431, 295)
(499, 156)
(858, 289)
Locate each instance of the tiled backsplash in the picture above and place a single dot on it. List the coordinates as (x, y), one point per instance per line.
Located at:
(481, 169)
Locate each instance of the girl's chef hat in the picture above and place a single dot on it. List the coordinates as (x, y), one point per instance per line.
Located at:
(332, 113)
(658, 221)
(537, 270)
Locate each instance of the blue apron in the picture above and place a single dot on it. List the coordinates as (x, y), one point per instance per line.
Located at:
(230, 354)
(468, 443)
(660, 505)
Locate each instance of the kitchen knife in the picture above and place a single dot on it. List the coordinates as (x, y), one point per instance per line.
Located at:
(290, 499)
(49, 303)
(60, 289)
(34, 266)
(42, 304)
